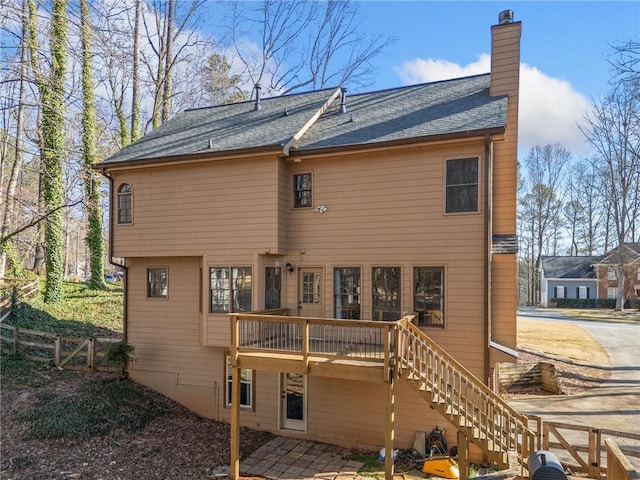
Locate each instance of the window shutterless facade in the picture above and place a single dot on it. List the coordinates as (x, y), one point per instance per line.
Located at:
(347, 293)
(272, 287)
(386, 293)
(125, 204)
(230, 289)
(428, 295)
(462, 181)
(246, 385)
(157, 282)
(302, 190)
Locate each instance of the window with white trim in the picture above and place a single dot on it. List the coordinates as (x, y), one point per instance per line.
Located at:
(246, 385)
(611, 273)
(560, 292)
(612, 293)
(583, 291)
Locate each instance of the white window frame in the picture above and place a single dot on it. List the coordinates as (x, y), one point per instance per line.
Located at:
(612, 293)
(583, 292)
(561, 291)
(611, 274)
(245, 373)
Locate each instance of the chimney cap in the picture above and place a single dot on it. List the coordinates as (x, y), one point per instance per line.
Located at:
(505, 16)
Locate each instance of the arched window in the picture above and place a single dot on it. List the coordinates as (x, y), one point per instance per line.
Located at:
(125, 204)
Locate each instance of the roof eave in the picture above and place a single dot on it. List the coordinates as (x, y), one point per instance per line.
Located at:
(495, 132)
(191, 157)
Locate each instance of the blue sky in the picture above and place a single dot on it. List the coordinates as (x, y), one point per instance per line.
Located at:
(563, 53)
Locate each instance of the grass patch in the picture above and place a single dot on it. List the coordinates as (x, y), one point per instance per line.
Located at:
(369, 460)
(82, 313)
(561, 339)
(98, 407)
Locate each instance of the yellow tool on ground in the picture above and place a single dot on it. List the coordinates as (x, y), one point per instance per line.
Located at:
(439, 462)
(441, 465)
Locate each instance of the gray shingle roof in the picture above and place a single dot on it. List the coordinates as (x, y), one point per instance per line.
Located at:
(569, 267)
(401, 114)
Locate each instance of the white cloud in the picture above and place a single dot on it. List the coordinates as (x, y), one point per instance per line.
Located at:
(550, 108)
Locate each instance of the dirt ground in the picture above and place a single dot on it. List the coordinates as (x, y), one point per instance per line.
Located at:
(176, 445)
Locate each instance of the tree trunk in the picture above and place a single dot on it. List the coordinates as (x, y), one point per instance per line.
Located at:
(95, 241)
(135, 94)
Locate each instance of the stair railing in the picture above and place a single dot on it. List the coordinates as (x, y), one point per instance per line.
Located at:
(484, 418)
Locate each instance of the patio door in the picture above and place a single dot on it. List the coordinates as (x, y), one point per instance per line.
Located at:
(310, 296)
(293, 388)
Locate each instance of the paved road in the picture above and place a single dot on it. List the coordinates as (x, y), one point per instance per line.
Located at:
(616, 403)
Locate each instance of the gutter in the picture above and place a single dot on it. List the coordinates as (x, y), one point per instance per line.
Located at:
(488, 233)
(125, 283)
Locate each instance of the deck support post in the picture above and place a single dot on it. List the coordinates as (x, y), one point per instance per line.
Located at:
(234, 466)
(234, 461)
(389, 431)
(463, 455)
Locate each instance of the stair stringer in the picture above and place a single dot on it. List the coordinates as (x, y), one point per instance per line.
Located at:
(484, 418)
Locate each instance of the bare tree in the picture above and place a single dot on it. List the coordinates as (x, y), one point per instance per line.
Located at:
(613, 130)
(541, 202)
(302, 45)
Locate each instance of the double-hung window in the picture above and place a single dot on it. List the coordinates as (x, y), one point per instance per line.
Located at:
(231, 289)
(428, 295)
(386, 293)
(462, 185)
(347, 292)
(125, 204)
(302, 190)
(157, 282)
(246, 385)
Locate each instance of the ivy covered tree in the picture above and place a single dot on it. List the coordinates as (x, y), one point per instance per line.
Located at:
(52, 148)
(95, 241)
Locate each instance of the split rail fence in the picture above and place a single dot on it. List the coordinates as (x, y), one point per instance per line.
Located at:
(595, 452)
(78, 353)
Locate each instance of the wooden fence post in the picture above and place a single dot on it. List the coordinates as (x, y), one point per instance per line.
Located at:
(91, 352)
(594, 453)
(56, 351)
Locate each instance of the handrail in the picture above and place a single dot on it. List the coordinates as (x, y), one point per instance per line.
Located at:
(484, 415)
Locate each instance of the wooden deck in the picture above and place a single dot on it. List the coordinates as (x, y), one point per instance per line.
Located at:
(383, 352)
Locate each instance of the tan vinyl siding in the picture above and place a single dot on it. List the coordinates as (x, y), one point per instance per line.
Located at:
(200, 207)
(503, 300)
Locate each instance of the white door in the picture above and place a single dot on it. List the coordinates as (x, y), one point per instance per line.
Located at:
(293, 401)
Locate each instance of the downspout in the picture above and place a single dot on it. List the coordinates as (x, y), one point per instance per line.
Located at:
(125, 283)
(488, 193)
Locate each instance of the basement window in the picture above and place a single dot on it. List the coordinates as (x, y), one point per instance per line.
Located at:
(246, 385)
(462, 185)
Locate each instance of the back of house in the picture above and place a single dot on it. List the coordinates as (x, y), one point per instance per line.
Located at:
(326, 205)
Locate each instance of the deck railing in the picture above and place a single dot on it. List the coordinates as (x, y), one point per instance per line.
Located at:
(353, 339)
(461, 396)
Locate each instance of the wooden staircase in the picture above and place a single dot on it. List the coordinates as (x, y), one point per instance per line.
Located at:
(480, 415)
